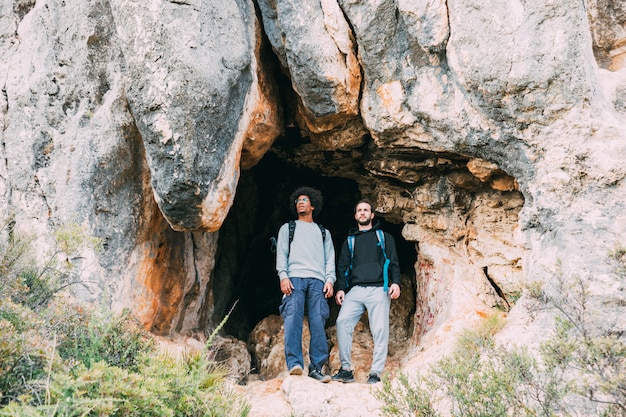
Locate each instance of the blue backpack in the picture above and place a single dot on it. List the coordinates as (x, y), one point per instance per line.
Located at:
(381, 244)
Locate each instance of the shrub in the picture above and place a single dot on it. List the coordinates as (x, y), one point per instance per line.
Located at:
(60, 359)
(162, 386)
(16, 270)
(588, 344)
(617, 260)
(406, 399)
(24, 281)
(24, 290)
(23, 356)
(585, 359)
(99, 336)
(478, 380)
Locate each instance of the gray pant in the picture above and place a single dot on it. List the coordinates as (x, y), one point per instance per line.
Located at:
(376, 302)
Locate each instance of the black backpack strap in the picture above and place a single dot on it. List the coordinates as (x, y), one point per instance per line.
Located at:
(323, 240)
(292, 229)
(323, 232)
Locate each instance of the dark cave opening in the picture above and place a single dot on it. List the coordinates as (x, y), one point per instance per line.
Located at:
(245, 266)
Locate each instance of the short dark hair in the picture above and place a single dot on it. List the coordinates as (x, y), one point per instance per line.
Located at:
(366, 201)
(314, 195)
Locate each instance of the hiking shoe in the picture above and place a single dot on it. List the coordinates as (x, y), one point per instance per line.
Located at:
(344, 375)
(315, 374)
(373, 379)
(296, 370)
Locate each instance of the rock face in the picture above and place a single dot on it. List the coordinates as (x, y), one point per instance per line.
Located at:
(193, 85)
(493, 132)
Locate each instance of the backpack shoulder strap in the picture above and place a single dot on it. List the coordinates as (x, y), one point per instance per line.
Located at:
(292, 230)
(381, 243)
(323, 232)
(348, 273)
(323, 240)
(381, 240)
(351, 247)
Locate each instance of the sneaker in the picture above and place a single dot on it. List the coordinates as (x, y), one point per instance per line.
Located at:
(373, 378)
(344, 375)
(315, 374)
(296, 370)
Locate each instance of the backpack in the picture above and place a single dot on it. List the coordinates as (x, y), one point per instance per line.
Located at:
(380, 235)
(292, 229)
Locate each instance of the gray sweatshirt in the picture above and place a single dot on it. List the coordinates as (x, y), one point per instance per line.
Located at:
(310, 256)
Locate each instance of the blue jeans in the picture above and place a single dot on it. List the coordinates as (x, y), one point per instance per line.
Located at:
(307, 292)
(377, 303)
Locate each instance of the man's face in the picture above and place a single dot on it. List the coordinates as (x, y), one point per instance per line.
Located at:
(303, 205)
(363, 214)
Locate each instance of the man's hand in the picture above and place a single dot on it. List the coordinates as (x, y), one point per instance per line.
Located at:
(286, 286)
(394, 291)
(328, 290)
(339, 297)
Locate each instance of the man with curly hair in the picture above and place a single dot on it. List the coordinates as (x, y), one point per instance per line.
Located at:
(305, 261)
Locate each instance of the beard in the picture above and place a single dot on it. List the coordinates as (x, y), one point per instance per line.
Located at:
(365, 222)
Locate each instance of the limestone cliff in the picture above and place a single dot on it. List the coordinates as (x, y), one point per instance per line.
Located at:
(492, 133)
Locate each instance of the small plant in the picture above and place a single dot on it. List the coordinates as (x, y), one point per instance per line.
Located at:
(534, 290)
(15, 262)
(481, 336)
(24, 281)
(513, 296)
(96, 336)
(404, 399)
(70, 238)
(617, 259)
(23, 355)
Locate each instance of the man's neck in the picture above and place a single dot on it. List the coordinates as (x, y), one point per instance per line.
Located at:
(306, 218)
(364, 228)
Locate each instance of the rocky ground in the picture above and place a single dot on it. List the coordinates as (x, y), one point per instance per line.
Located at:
(289, 395)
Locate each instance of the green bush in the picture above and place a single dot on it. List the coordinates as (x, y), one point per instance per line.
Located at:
(406, 399)
(25, 281)
(162, 386)
(25, 289)
(590, 346)
(480, 379)
(99, 336)
(23, 356)
(17, 274)
(61, 359)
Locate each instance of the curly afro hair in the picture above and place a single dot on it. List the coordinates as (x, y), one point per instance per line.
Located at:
(314, 195)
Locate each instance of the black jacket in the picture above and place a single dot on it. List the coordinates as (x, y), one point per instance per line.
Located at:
(368, 260)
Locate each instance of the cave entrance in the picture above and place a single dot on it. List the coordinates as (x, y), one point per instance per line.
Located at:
(245, 266)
